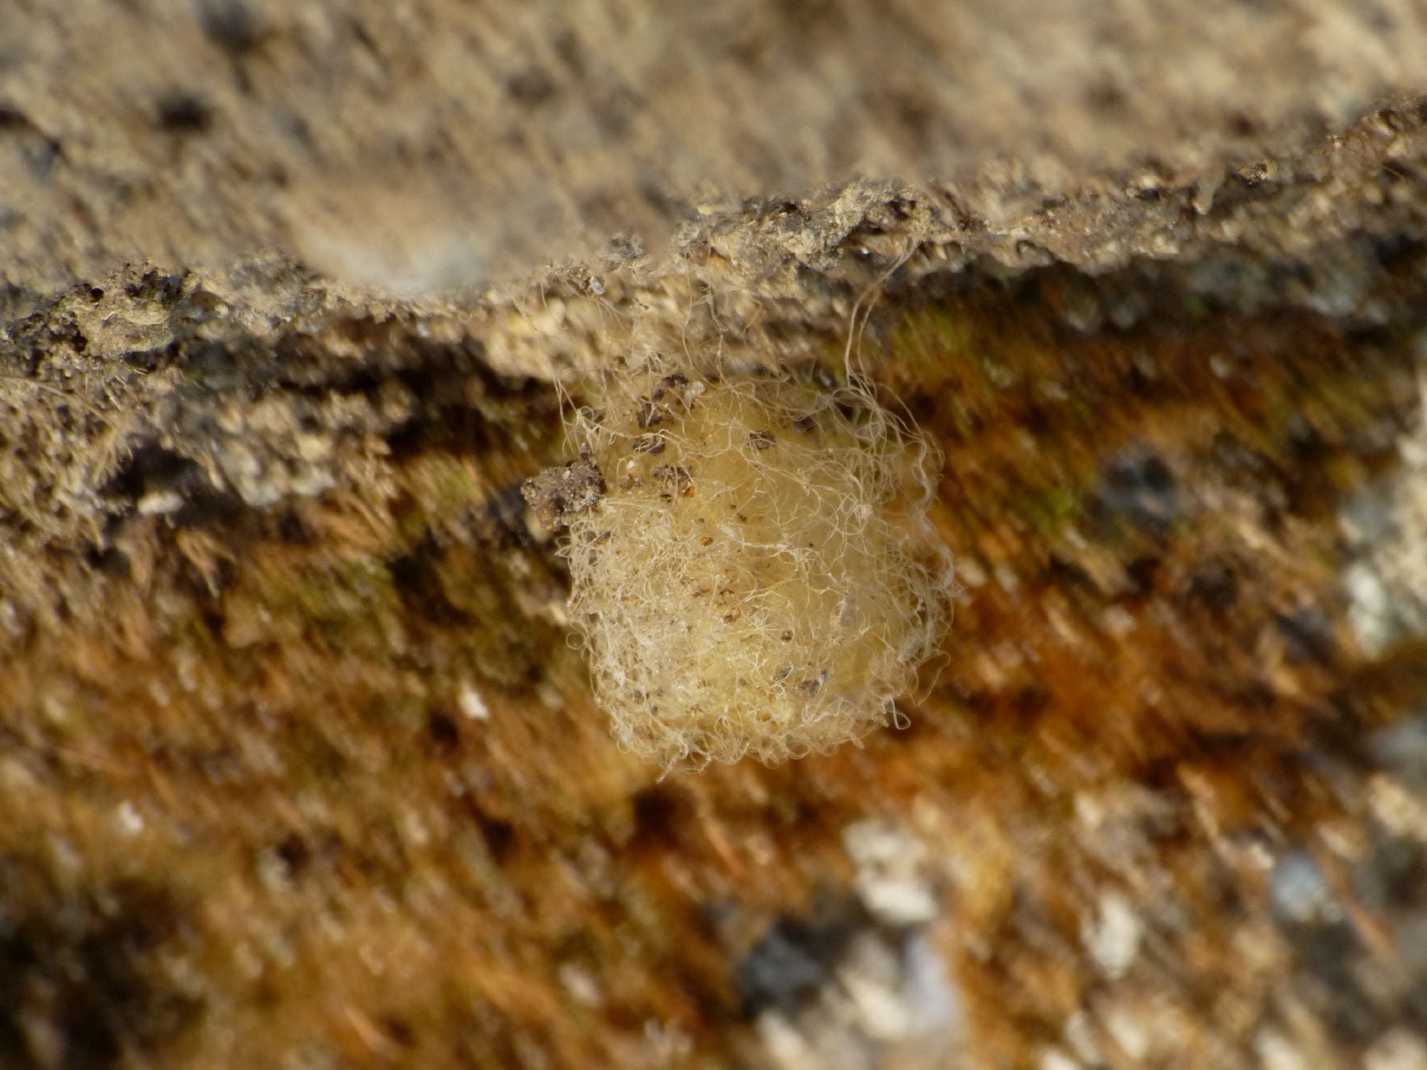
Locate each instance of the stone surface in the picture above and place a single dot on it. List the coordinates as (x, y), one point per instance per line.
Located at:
(296, 766)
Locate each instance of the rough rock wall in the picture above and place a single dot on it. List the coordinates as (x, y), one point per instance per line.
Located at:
(441, 143)
(295, 764)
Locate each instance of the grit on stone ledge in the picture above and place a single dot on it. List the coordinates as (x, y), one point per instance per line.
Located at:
(434, 143)
(297, 767)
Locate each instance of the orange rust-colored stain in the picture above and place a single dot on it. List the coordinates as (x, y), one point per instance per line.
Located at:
(1143, 523)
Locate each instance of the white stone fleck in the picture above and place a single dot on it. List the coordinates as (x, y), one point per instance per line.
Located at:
(1276, 1052)
(11, 619)
(891, 877)
(311, 481)
(160, 502)
(1080, 1035)
(1007, 579)
(971, 572)
(1118, 622)
(934, 1002)
(1398, 1050)
(1113, 938)
(129, 819)
(1300, 893)
(1369, 607)
(889, 1002)
(881, 1011)
(782, 1039)
(1387, 528)
(1055, 1059)
(472, 705)
(582, 987)
(1128, 1032)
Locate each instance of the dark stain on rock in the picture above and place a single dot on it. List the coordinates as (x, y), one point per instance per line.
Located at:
(1138, 487)
(419, 585)
(794, 958)
(236, 26)
(79, 970)
(183, 112)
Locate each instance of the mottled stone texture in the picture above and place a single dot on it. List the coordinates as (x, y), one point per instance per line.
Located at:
(297, 767)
